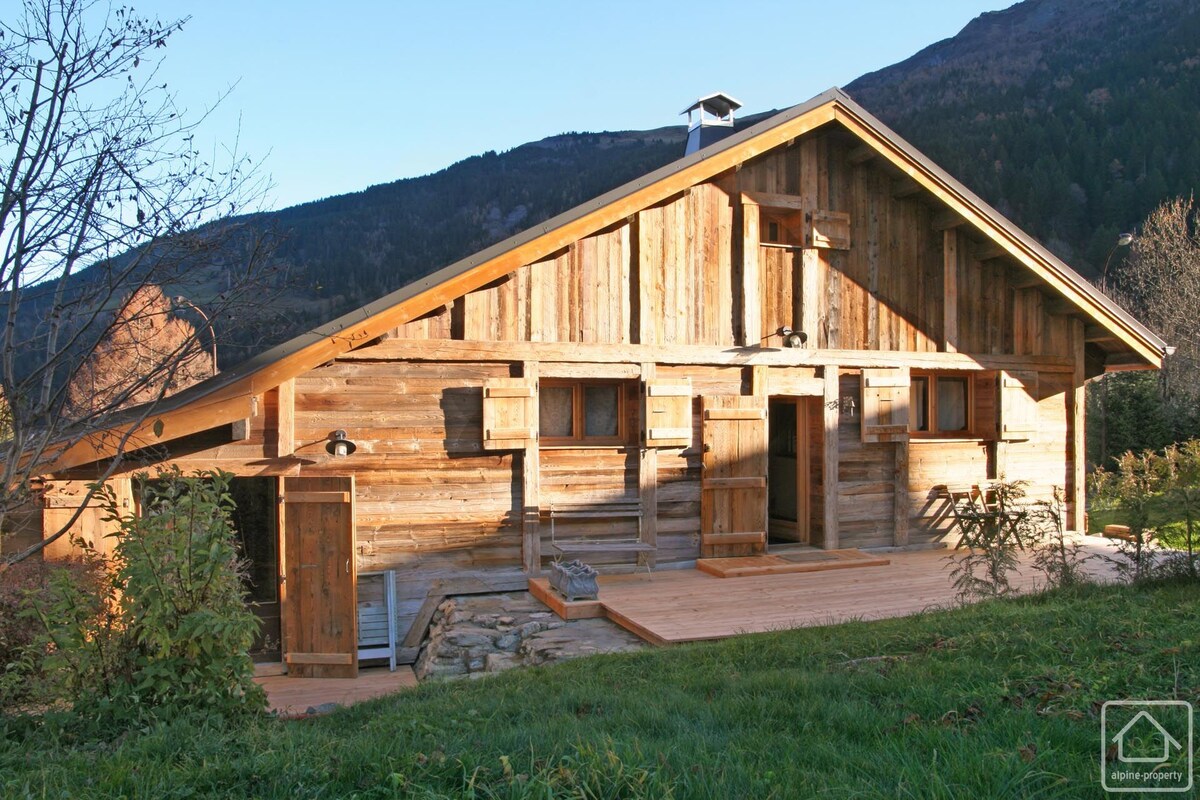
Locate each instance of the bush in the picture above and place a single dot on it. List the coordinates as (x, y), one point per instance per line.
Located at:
(20, 630)
(166, 630)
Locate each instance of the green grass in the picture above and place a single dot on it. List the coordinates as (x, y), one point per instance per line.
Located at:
(996, 700)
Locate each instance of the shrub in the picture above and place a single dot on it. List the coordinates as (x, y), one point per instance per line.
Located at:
(20, 631)
(1133, 489)
(167, 629)
(1182, 462)
(1054, 555)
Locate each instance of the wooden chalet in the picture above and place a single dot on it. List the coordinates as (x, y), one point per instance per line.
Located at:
(795, 335)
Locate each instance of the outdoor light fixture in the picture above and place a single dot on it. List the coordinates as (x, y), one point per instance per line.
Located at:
(339, 446)
(1124, 239)
(793, 338)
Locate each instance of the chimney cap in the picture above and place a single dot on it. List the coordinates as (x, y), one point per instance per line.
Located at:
(717, 103)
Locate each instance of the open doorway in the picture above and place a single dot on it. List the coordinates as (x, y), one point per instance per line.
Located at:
(258, 534)
(788, 483)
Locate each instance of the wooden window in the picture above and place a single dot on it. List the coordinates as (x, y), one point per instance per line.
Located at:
(942, 405)
(581, 412)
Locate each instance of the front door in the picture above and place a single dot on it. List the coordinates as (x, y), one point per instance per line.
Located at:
(789, 490)
(321, 603)
(733, 504)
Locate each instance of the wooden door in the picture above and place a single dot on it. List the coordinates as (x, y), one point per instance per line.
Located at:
(733, 504)
(321, 602)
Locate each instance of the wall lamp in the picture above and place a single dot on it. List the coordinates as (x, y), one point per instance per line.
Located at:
(793, 338)
(339, 446)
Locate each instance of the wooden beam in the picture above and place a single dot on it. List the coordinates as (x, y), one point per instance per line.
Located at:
(861, 154)
(420, 623)
(154, 430)
(905, 187)
(829, 472)
(793, 202)
(531, 504)
(945, 219)
(985, 251)
(1058, 306)
(1020, 278)
(950, 290)
(1078, 498)
(587, 352)
(900, 501)
(752, 332)
(1096, 333)
(285, 418)
(1125, 362)
(239, 429)
(809, 297)
(648, 483)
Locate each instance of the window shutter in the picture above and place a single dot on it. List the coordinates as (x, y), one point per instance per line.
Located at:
(885, 398)
(830, 229)
(509, 413)
(668, 418)
(1018, 405)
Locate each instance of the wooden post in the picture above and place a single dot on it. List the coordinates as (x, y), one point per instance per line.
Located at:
(752, 332)
(285, 418)
(950, 290)
(829, 473)
(648, 479)
(1078, 498)
(900, 508)
(808, 298)
(531, 524)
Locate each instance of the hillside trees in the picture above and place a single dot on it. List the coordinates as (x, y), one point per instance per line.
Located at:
(103, 191)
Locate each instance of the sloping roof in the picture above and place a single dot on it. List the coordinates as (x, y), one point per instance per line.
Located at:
(229, 393)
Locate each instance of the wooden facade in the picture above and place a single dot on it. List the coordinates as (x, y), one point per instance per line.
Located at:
(620, 386)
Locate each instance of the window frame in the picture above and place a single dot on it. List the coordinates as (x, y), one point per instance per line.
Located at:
(931, 405)
(578, 437)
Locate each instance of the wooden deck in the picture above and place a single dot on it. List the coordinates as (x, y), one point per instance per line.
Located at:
(688, 605)
(292, 697)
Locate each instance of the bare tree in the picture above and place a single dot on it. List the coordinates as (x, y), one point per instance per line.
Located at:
(1161, 279)
(103, 191)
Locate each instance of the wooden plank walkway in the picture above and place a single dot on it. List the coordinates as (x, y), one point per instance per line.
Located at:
(292, 697)
(672, 606)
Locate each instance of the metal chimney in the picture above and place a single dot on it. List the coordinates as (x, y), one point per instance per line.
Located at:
(710, 119)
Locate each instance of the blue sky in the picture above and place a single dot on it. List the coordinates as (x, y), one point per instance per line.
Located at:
(337, 96)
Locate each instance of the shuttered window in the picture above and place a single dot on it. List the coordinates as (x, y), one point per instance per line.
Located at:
(942, 405)
(581, 412)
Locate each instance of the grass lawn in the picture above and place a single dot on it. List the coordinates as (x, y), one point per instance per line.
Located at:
(997, 700)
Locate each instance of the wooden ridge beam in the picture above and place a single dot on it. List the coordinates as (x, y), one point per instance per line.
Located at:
(715, 355)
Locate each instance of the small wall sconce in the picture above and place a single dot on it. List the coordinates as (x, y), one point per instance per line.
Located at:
(848, 405)
(793, 338)
(339, 446)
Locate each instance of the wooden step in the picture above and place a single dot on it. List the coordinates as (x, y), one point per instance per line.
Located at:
(592, 546)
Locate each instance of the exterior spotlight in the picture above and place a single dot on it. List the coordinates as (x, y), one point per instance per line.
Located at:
(793, 338)
(1124, 239)
(339, 446)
